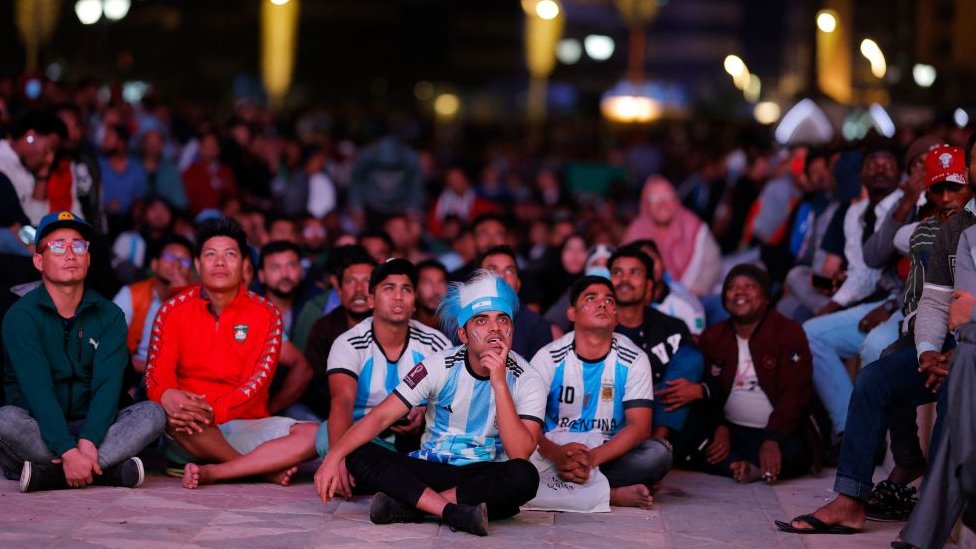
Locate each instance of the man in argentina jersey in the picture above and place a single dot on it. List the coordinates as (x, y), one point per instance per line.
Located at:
(601, 381)
(484, 414)
(367, 362)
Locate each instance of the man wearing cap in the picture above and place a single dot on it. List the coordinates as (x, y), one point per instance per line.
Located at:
(213, 353)
(485, 406)
(887, 392)
(65, 350)
(759, 385)
(600, 381)
(366, 363)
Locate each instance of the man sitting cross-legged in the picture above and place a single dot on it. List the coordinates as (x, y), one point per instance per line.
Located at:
(601, 381)
(484, 411)
(213, 353)
(65, 355)
(367, 362)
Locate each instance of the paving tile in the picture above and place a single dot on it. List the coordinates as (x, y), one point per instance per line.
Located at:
(691, 511)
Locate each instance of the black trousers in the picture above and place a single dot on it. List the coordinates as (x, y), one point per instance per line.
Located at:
(503, 486)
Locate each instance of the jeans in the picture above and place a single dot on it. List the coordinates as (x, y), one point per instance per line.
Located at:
(891, 383)
(135, 428)
(645, 463)
(836, 337)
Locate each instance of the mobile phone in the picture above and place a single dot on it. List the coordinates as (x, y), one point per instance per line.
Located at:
(822, 282)
(402, 421)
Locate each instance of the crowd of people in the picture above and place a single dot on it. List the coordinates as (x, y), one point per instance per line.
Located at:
(468, 336)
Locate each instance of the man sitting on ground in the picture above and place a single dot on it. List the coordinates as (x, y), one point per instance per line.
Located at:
(367, 362)
(601, 381)
(213, 354)
(65, 355)
(484, 411)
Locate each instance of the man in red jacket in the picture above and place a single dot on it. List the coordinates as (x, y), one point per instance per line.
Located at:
(212, 356)
(759, 378)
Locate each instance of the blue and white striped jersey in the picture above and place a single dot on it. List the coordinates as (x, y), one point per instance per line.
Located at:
(592, 396)
(462, 425)
(356, 353)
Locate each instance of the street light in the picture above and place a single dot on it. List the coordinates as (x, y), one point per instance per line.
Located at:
(736, 67)
(568, 51)
(827, 20)
(871, 51)
(115, 10)
(599, 47)
(923, 74)
(88, 11)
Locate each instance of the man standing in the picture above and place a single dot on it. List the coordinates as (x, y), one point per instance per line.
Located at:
(366, 363)
(212, 357)
(65, 355)
(676, 365)
(484, 411)
(600, 381)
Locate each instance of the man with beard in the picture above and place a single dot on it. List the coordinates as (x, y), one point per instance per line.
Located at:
(849, 325)
(366, 363)
(280, 271)
(600, 381)
(351, 283)
(431, 285)
(676, 364)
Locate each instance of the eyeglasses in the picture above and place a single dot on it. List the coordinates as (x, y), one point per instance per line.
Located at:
(946, 186)
(60, 246)
(184, 262)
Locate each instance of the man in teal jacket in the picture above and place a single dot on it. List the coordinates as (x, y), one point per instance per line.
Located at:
(65, 353)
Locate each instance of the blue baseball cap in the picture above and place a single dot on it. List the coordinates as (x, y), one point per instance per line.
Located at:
(62, 220)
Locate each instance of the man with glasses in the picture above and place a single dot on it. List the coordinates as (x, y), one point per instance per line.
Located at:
(65, 356)
(173, 271)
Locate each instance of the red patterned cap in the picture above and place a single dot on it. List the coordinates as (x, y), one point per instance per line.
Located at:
(945, 163)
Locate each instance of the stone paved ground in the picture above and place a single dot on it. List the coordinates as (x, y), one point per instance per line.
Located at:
(692, 511)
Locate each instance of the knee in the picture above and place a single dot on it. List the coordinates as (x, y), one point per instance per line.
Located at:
(12, 417)
(522, 477)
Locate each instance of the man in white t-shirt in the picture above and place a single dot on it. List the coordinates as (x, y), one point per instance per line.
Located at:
(367, 362)
(484, 412)
(600, 381)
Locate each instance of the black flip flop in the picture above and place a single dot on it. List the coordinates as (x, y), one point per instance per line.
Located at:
(817, 526)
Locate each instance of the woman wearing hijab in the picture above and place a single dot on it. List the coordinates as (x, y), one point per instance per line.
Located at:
(689, 250)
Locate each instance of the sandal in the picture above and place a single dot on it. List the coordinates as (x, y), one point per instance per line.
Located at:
(817, 526)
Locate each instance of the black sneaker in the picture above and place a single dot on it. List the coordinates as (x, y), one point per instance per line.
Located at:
(386, 510)
(37, 477)
(128, 474)
(472, 519)
(890, 502)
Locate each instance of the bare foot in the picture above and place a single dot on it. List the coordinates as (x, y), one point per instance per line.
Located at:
(636, 495)
(194, 476)
(281, 478)
(744, 472)
(843, 511)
